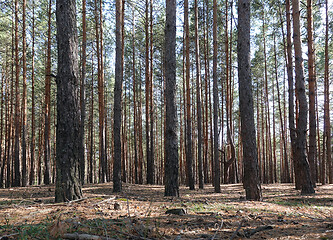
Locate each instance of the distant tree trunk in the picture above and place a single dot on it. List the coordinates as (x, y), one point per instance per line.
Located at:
(140, 172)
(312, 95)
(327, 154)
(285, 175)
(147, 84)
(217, 179)
(171, 141)
(32, 144)
(24, 99)
(189, 155)
(301, 161)
(3, 97)
(267, 108)
(68, 183)
(206, 161)
(47, 119)
(100, 94)
(17, 173)
(151, 166)
(117, 185)
(82, 91)
(251, 179)
(136, 164)
(198, 83)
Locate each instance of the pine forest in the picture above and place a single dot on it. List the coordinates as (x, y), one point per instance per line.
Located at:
(167, 101)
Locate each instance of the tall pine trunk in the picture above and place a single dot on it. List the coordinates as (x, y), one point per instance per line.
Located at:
(117, 186)
(301, 161)
(217, 180)
(312, 95)
(68, 183)
(171, 140)
(251, 181)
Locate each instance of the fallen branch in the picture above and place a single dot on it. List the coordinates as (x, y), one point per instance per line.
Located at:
(237, 230)
(78, 236)
(249, 233)
(106, 200)
(9, 235)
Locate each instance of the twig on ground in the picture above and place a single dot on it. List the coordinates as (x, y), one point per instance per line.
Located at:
(218, 230)
(106, 200)
(78, 236)
(237, 230)
(9, 235)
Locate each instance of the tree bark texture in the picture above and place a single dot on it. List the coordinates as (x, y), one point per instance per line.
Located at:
(68, 183)
(171, 139)
(301, 160)
(117, 186)
(251, 180)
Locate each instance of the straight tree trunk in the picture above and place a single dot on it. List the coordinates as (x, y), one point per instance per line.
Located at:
(136, 177)
(171, 141)
(32, 144)
(100, 94)
(47, 119)
(189, 155)
(198, 83)
(117, 186)
(301, 160)
(82, 91)
(312, 95)
(68, 183)
(17, 172)
(251, 179)
(24, 98)
(291, 92)
(327, 154)
(147, 86)
(217, 180)
(151, 163)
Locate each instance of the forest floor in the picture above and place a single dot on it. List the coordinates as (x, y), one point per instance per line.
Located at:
(140, 212)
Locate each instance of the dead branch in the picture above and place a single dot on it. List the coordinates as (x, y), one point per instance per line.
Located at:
(77, 236)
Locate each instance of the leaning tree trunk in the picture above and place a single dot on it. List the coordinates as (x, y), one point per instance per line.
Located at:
(303, 167)
(171, 141)
(68, 183)
(251, 179)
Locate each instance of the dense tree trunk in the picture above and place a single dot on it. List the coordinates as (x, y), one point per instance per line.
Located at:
(217, 173)
(117, 186)
(171, 141)
(312, 95)
(251, 180)
(301, 161)
(68, 183)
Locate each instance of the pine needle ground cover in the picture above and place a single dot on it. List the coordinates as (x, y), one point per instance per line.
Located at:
(142, 212)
